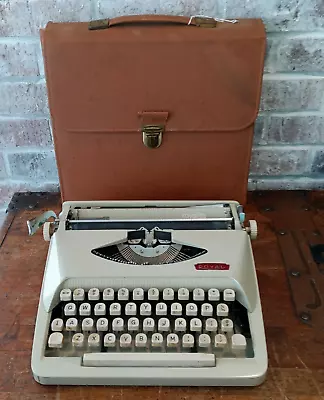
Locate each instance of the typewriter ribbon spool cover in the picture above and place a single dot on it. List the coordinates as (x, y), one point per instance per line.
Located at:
(153, 108)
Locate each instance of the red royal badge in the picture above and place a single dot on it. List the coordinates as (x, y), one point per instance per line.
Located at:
(212, 267)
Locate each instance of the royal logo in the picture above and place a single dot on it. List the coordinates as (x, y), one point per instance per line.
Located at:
(212, 266)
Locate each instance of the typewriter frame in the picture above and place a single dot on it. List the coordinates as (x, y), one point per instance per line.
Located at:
(62, 271)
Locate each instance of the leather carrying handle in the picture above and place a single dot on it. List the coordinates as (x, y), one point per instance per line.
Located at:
(151, 19)
(142, 19)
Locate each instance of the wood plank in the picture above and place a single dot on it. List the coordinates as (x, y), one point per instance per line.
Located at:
(5, 226)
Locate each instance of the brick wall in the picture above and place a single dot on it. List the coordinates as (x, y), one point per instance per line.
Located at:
(288, 148)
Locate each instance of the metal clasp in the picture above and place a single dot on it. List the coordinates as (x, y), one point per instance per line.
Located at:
(152, 135)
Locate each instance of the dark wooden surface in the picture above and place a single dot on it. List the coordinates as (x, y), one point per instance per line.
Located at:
(296, 349)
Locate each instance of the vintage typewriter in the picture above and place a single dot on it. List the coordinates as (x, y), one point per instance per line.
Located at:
(149, 293)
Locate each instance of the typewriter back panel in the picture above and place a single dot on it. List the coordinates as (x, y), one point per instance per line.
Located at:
(154, 111)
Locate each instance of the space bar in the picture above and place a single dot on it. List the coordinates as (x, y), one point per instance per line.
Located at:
(184, 360)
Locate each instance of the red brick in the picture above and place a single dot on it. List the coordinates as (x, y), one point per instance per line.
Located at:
(25, 132)
(3, 169)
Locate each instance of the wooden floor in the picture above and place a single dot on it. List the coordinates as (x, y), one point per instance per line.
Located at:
(290, 282)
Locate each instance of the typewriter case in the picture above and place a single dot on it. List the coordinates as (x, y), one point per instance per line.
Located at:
(151, 107)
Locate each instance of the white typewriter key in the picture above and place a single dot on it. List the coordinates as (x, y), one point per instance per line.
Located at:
(198, 294)
(88, 325)
(220, 341)
(66, 295)
(85, 309)
(71, 324)
(78, 294)
(161, 309)
(118, 324)
(153, 294)
(94, 340)
(238, 342)
(133, 324)
(180, 325)
(102, 325)
(57, 325)
(176, 309)
(130, 309)
(100, 309)
(213, 295)
(125, 340)
(204, 340)
(70, 309)
(115, 309)
(94, 294)
(140, 340)
(110, 340)
(157, 340)
(188, 340)
(108, 294)
(191, 309)
(227, 325)
(138, 294)
(229, 295)
(148, 325)
(123, 294)
(55, 340)
(206, 310)
(172, 340)
(211, 325)
(145, 309)
(222, 310)
(78, 340)
(164, 325)
(195, 325)
(168, 294)
(183, 294)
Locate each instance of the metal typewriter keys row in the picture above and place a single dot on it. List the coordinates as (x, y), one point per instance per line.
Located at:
(147, 325)
(153, 320)
(112, 341)
(154, 294)
(191, 309)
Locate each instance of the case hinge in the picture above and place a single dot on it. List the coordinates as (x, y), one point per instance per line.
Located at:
(98, 24)
(152, 135)
(205, 22)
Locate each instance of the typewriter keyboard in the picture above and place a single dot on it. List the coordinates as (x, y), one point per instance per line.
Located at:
(149, 321)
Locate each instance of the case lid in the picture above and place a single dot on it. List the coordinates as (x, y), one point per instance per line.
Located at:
(203, 78)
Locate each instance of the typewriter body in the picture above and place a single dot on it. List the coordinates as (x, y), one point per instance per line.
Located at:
(149, 293)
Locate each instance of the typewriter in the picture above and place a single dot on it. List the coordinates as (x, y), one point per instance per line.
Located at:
(149, 293)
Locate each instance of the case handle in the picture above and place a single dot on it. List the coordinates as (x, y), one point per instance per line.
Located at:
(201, 21)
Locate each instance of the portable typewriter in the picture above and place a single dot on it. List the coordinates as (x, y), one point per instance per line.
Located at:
(149, 293)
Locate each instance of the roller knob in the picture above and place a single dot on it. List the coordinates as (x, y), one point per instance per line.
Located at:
(253, 229)
(47, 231)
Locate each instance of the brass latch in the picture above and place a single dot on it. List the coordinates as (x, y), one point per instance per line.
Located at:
(152, 135)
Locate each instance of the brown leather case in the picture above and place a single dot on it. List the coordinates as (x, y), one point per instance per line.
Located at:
(149, 107)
